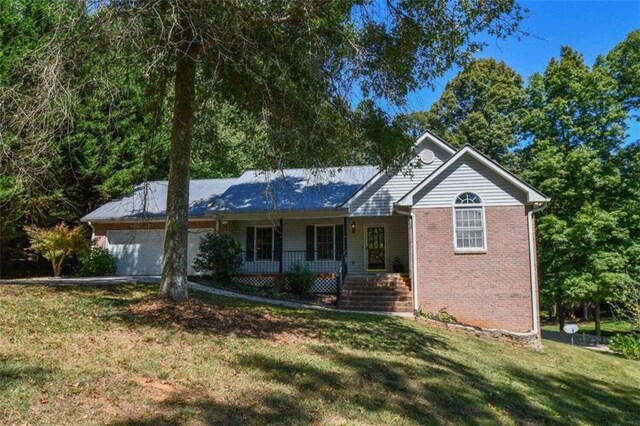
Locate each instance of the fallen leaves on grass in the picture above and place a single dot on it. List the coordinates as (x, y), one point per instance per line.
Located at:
(199, 316)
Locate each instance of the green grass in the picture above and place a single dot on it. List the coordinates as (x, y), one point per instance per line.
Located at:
(608, 327)
(98, 355)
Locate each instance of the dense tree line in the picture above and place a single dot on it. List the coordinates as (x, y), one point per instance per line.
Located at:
(107, 120)
(102, 77)
(565, 133)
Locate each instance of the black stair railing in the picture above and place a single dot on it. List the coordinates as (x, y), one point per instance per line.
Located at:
(342, 274)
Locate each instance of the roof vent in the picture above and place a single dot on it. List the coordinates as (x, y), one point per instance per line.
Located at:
(427, 156)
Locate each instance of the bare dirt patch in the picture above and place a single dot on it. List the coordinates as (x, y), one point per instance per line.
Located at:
(158, 391)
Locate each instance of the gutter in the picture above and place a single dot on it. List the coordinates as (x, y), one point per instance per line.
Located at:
(414, 256)
(532, 265)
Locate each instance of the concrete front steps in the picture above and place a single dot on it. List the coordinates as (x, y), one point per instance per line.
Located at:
(377, 293)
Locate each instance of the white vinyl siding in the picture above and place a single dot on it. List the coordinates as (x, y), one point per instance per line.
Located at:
(397, 234)
(468, 174)
(294, 239)
(294, 231)
(379, 198)
(238, 229)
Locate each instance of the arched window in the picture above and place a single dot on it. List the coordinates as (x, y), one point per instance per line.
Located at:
(468, 222)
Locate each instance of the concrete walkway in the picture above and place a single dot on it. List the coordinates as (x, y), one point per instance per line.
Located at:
(154, 279)
(286, 303)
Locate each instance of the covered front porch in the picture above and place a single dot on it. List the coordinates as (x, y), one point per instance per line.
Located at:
(332, 247)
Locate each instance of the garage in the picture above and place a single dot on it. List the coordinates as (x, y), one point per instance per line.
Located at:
(139, 252)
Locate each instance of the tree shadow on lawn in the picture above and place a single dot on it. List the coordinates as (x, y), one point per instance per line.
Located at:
(14, 373)
(215, 315)
(447, 392)
(136, 305)
(582, 397)
(424, 384)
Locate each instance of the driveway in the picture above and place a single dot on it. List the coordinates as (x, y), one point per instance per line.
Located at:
(83, 280)
(585, 340)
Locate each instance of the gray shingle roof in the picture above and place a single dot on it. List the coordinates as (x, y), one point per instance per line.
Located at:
(290, 190)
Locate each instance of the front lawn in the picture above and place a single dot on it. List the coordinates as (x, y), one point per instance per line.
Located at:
(113, 355)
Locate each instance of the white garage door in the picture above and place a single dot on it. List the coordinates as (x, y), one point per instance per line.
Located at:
(140, 252)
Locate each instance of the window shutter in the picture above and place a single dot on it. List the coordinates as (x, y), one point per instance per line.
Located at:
(249, 245)
(277, 243)
(310, 243)
(339, 241)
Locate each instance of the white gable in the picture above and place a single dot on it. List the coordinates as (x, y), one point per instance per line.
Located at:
(467, 174)
(378, 197)
(467, 170)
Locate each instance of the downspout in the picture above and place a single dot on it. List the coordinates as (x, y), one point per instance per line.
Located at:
(414, 257)
(532, 266)
(93, 231)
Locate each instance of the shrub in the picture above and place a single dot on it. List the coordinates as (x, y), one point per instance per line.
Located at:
(275, 292)
(441, 315)
(300, 279)
(627, 345)
(58, 244)
(220, 255)
(96, 262)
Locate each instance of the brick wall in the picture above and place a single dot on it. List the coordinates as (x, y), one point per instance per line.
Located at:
(491, 290)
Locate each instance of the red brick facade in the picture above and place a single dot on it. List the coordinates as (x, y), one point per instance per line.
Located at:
(492, 289)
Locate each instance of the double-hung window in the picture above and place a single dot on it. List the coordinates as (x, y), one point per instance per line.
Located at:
(264, 243)
(325, 242)
(468, 223)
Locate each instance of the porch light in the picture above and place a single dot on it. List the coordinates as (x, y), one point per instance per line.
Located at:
(353, 227)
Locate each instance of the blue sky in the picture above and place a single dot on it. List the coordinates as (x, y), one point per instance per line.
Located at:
(591, 27)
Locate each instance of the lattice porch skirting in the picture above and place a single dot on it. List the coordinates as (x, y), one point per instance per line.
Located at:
(325, 283)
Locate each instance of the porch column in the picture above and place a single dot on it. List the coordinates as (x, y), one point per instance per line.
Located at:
(345, 234)
(281, 245)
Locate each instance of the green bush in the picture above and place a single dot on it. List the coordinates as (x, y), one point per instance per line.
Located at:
(220, 255)
(300, 279)
(97, 262)
(275, 292)
(627, 345)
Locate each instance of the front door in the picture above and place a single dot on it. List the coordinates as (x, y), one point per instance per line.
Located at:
(375, 248)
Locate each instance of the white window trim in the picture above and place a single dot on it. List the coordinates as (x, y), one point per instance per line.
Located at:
(255, 243)
(454, 206)
(315, 242)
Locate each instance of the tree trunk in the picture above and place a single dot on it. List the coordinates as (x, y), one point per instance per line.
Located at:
(54, 266)
(174, 266)
(597, 321)
(560, 313)
(585, 311)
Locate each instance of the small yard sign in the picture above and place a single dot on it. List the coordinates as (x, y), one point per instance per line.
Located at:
(571, 329)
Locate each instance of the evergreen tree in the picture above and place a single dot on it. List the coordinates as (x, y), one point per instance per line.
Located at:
(288, 64)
